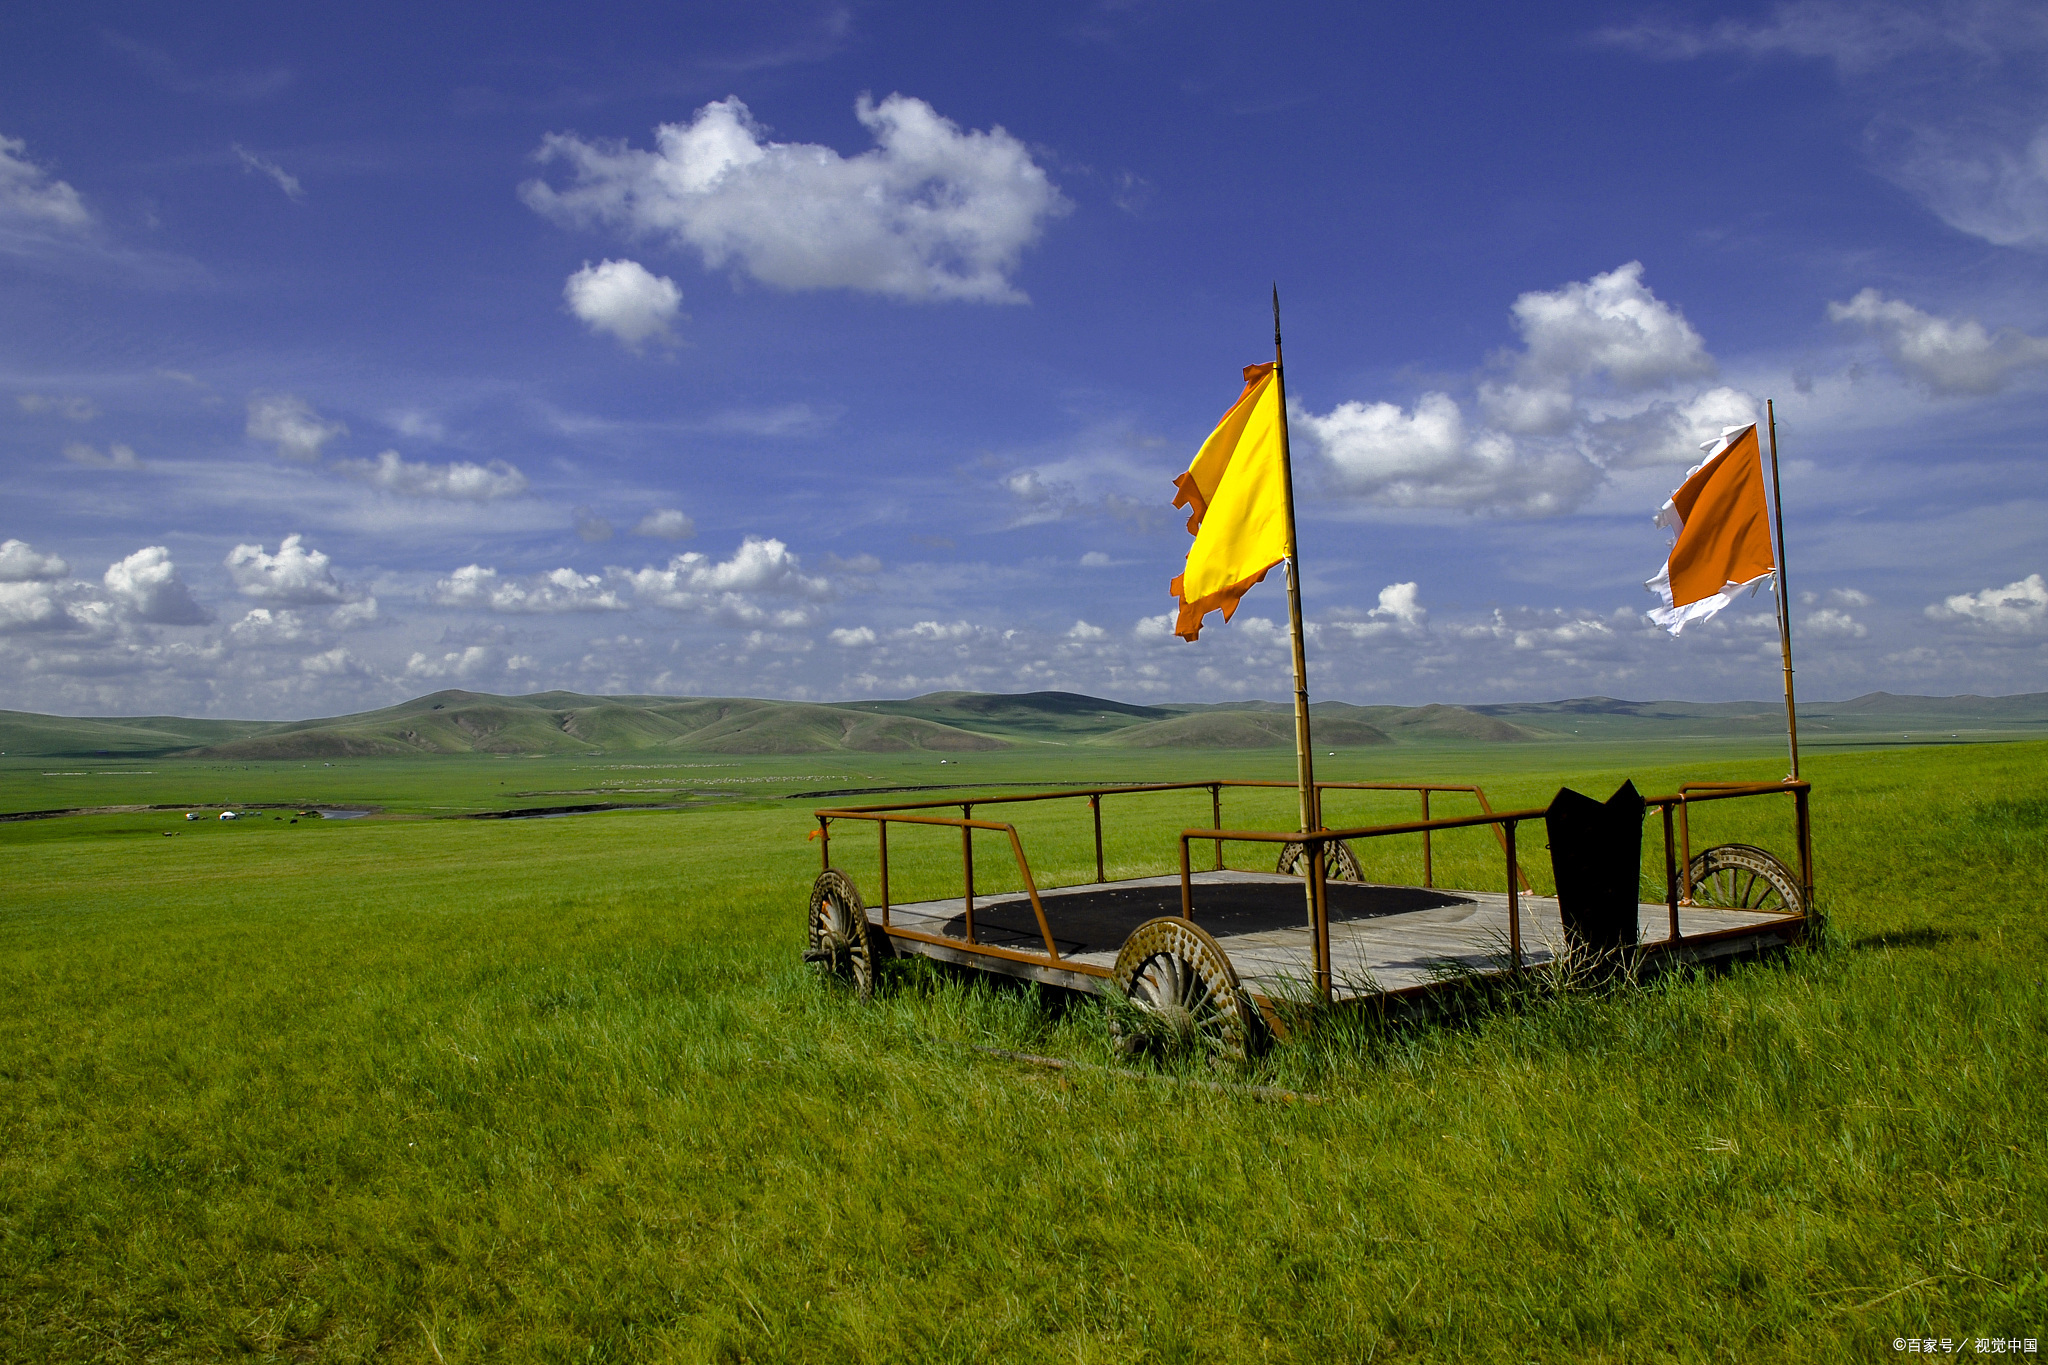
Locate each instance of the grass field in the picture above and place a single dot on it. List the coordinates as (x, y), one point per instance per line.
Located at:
(418, 1089)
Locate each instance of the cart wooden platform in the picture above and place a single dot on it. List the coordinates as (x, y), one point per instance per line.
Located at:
(1216, 949)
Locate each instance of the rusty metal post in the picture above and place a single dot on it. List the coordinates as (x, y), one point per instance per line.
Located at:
(1187, 882)
(1428, 853)
(1095, 808)
(1670, 874)
(882, 835)
(1514, 901)
(1685, 847)
(1320, 912)
(1805, 822)
(967, 866)
(824, 844)
(1216, 818)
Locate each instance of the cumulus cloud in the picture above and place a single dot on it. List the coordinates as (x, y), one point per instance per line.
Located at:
(146, 587)
(1400, 604)
(858, 637)
(31, 199)
(560, 590)
(21, 562)
(116, 456)
(665, 523)
(465, 663)
(334, 663)
(295, 575)
(937, 631)
(1081, 630)
(625, 299)
(1428, 457)
(349, 615)
(262, 165)
(32, 605)
(1534, 449)
(460, 481)
(291, 423)
(734, 588)
(2016, 607)
(1609, 325)
(930, 212)
(1832, 621)
(262, 626)
(1948, 355)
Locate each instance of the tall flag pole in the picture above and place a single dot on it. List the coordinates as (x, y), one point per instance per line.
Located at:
(1723, 531)
(1784, 595)
(1303, 751)
(1239, 492)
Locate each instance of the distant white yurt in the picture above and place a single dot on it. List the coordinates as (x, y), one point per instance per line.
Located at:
(229, 815)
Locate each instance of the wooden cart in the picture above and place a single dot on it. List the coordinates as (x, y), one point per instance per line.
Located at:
(1212, 952)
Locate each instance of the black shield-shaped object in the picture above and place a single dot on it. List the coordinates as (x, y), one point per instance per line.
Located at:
(1596, 854)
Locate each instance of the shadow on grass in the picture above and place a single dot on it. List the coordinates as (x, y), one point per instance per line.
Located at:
(1925, 936)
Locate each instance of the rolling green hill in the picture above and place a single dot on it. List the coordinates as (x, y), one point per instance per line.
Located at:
(460, 722)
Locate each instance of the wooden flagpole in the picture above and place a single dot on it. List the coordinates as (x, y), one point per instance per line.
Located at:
(1784, 596)
(1311, 817)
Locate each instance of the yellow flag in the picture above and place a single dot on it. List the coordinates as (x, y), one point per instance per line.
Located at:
(1236, 496)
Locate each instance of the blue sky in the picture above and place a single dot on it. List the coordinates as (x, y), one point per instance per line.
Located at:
(836, 350)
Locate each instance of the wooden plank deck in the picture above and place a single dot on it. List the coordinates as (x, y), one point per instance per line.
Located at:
(1373, 951)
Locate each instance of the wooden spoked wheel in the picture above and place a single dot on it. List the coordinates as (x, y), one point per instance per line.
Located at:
(1340, 864)
(1182, 993)
(839, 940)
(1744, 877)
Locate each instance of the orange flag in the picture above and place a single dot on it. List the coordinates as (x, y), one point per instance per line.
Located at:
(1724, 533)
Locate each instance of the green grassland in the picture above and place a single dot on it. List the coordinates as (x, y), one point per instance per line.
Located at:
(418, 1088)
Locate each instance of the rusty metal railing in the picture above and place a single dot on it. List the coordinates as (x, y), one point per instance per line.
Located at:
(1314, 841)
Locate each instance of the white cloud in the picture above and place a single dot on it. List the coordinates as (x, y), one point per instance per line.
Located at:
(1081, 630)
(291, 422)
(929, 212)
(116, 456)
(21, 562)
(349, 615)
(1400, 604)
(34, 604)
(146, 586)
(665, 523)
(1154, 629)
(557, 591)
(758, 569)
(294, 575)
(1948, 355)
(625, 299)
(30, 198)
(263, 165)
(73, 406)
(1831, 621)
(1427, 458)
(466, 663)
(460, 481)
(1095, 559)
(591, 528)
(1613, 325)
(858, 637)
(2016, 607)
(1540, 449)
(937, 631)
(334, 663)
(262, 626)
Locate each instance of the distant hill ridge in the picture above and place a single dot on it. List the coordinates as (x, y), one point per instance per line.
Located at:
(457, 722)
